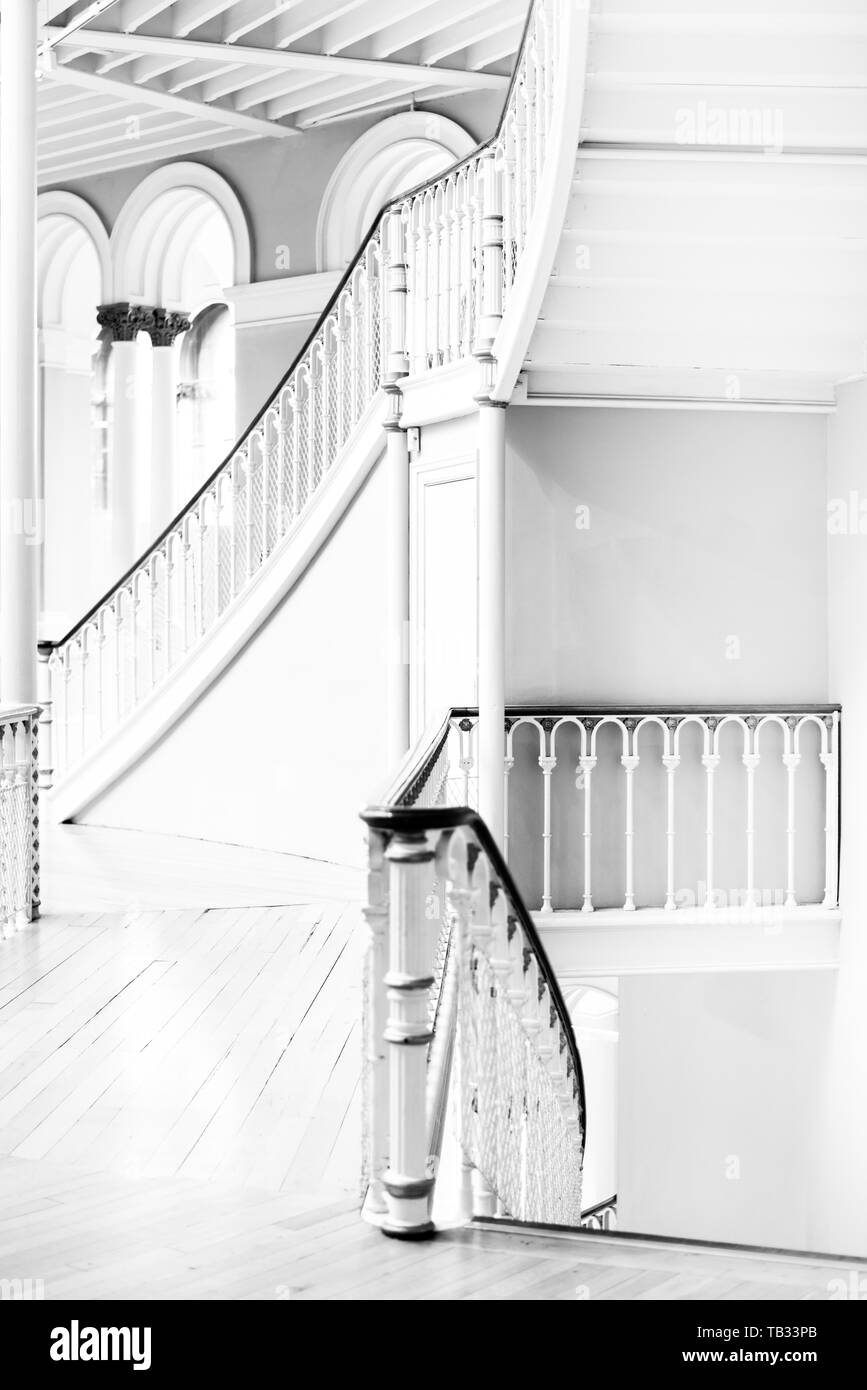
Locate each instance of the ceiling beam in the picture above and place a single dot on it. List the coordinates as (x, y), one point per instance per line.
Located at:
(149, 96)
(103, 41)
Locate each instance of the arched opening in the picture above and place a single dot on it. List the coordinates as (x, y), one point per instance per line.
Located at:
(389, 159)
(595, 1014)
(206, 394)
(73, 277)
(180, 242)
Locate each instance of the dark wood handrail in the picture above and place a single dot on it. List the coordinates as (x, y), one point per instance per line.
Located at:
(411, 820)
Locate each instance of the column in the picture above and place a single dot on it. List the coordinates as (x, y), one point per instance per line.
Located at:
(129, 430)
(166, 328)
(492, 611)
(397, 471)
(20, 505)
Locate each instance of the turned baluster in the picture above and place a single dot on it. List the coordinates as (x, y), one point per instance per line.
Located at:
(44, 687)
(586, 764)
(750, 759)
(791, 762)
(547, 764)
(710, 762)
(629, 761)
(671, 762)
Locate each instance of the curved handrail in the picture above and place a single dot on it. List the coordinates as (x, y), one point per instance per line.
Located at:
(398, 201)
(410, 820)
(406, 825)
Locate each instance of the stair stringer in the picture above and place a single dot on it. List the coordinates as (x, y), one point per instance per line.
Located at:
(125, 745)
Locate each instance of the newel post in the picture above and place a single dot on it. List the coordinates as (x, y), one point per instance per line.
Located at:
(408, 1181)
(397, 475)
(492, 253)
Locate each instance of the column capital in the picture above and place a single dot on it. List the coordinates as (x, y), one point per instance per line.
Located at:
(125, 321)
(167, 325)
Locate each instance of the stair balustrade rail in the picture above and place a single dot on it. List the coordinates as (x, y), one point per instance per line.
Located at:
(460, 999)
(428, 286)
(696, 806)
(19, 817)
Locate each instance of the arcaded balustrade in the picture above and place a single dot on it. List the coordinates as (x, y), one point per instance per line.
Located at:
(666, 808)
(19, 818)
(428, 287)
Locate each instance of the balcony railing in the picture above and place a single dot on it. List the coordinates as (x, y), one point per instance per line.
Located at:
(19, 818)
(666, 807)
(460, 999)
(428, 286)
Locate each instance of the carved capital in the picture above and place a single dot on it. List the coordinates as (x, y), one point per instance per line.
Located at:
(125, 321)
(167, 325)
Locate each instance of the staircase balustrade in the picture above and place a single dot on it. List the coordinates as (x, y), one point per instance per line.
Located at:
(460, 1000)
(19, 817)
(708, 763)
(428, 287)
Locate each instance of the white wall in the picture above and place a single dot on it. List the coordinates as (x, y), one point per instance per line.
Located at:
(263, 355)
(288, 745)
(718, 1100)
(700, 579)
(443, 569)
(703, 526)
(74, 576)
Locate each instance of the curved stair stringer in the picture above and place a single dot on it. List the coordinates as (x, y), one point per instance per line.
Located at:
(125, 745)
(549, 213)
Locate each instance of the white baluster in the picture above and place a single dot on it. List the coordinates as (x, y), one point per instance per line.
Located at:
(630, 762)
(791, 762)
(46, 718)
(508, 764)
(671, 762)
(586, 764)
(710, 762)
(547, 764)
(750, 761)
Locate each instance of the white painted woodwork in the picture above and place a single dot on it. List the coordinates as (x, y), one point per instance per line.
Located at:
(191, 88)
(654, 941)
(729, 770)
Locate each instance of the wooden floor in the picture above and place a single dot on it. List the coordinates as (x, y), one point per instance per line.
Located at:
(179, 1102)
(94, 1237)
